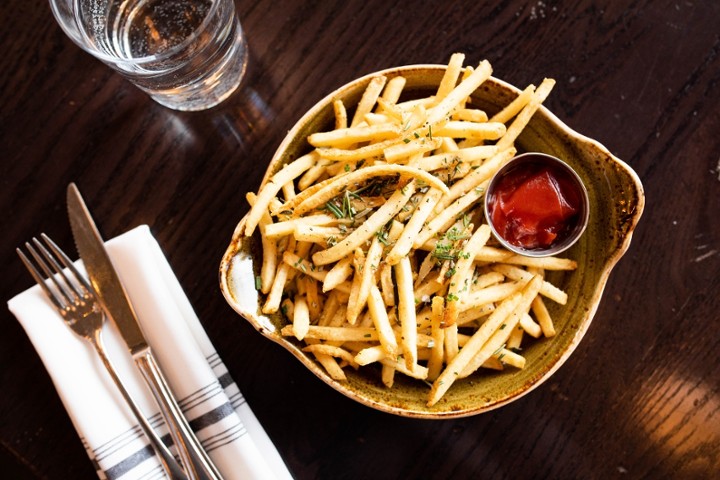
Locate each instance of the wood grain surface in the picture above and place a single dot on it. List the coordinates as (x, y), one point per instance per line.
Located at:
(640, 396)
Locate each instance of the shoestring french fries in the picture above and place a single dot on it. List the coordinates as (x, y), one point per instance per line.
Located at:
(375, 245)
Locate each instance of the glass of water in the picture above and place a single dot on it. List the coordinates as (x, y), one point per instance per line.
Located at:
(186, 54)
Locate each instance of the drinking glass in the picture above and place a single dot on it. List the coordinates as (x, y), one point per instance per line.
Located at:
(186, 54)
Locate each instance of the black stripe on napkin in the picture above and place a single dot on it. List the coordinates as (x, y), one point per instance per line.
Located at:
(123, 467)
(225, 380)
(211, 417)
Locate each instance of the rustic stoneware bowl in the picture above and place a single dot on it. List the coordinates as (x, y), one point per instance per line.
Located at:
(616, 204)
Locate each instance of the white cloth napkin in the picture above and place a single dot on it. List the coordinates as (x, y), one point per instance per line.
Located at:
(210, 399)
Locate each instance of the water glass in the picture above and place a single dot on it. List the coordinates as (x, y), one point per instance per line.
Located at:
(186, 54)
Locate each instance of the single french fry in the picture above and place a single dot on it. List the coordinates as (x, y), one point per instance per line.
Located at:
(370, 355)
(367, 278)
(546, 263)
(382, 322)
(335, 334)
(409, 147)
(471, 115)
(475, 313)
(451, 345)
(287, 307)
(493, 293)
(340, 112)
(314, 300)
(398, 364)
(515, 339)
(287, 174)
(437, 353)
(508, 357)
(387, 287)
(393, 90)
(512, 109)
(330, 307)
(272, 302)
(354, 298)
(474, 130)
(269, 249)
(354, 155)
(406, 311)
(388, 376)
(338, 274)
(451, 75)
(316, 234)
(301, 317)
(288, 227)
(487, 279)
(543, 317)
(332, 351)
(548, 290)
(331, 366)
(368, 99)
(345, 137)
(288, 191)
(529, 326)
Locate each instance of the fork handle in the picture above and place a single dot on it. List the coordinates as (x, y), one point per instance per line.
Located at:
(194, 458)
(166, 458)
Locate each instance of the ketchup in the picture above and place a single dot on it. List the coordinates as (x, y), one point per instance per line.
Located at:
(535, 204)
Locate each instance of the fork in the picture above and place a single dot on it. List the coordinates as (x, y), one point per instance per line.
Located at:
(76, 301)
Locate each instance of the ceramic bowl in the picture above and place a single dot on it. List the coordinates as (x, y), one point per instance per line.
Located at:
(616, 204)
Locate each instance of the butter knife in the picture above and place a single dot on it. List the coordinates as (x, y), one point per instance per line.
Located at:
(111, 292)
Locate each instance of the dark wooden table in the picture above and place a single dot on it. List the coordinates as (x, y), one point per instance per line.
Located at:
(640, 396)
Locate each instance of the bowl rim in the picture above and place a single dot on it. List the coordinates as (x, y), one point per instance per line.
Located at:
(269, 332)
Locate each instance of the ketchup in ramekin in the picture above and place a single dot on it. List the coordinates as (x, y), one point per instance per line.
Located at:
(536, 205)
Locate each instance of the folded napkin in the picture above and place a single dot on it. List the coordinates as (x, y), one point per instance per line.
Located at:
(210, 399)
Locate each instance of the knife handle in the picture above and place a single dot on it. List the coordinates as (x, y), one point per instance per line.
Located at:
(194, 458)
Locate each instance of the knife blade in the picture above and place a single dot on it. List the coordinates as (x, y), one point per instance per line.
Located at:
(113, 296)
(101, 271)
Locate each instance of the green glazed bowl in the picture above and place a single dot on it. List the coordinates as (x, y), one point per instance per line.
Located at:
(616, 204)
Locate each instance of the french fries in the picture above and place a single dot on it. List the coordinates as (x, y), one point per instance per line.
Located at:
(375, 244)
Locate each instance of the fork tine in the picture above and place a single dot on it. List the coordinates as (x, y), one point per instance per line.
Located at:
(65, 260)
(37, 276)
(66, 287)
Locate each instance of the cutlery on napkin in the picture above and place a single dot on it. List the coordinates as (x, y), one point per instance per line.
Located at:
(211, 401)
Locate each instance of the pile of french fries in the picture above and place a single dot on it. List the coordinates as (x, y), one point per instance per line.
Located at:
(375, 246)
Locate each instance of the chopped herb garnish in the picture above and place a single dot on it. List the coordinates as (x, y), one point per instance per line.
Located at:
(382, 236)
(334, 209)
